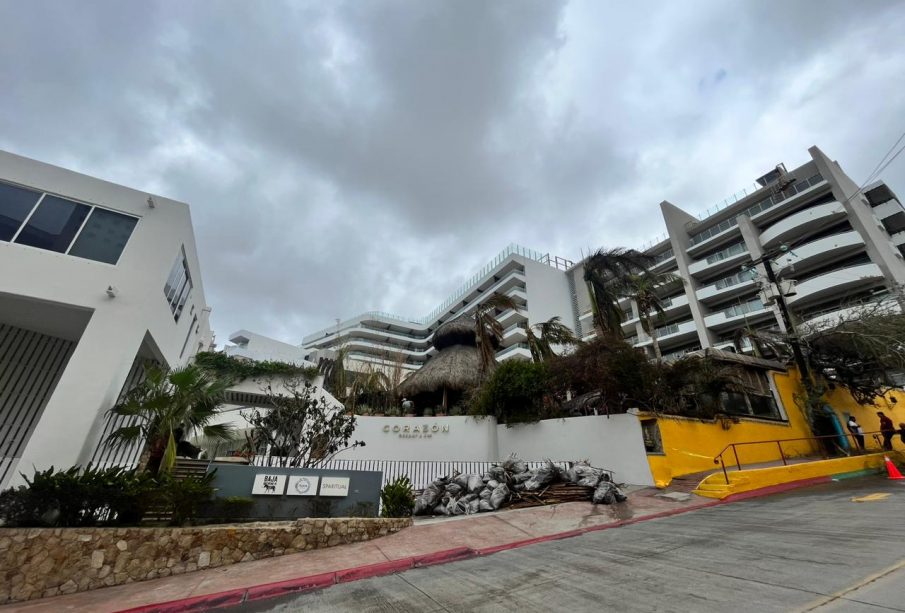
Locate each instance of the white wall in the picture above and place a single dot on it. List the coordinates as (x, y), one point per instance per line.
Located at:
(467, 438)
(68, 430)
(614, 442)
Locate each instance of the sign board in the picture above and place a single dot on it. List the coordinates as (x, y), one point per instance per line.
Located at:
(302, 485)
(269, 485)
(334, 486)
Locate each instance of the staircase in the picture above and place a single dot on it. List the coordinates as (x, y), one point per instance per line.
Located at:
(715, 486)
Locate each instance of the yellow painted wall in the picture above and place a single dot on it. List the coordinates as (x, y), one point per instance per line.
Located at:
(843, 404)
(690, 445)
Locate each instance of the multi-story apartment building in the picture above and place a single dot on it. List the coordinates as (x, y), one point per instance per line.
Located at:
(535, 281)
(831, 244)
(95, 279)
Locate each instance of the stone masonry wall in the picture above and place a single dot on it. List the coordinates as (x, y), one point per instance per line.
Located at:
(42, 562)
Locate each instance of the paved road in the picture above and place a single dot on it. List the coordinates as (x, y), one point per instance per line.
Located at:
(811, 550)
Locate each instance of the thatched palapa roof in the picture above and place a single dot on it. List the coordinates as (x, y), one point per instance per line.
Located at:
(457, 365)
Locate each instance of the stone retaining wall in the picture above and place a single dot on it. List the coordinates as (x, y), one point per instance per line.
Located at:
(41, 562)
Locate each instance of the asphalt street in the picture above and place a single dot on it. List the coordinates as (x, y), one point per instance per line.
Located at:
(815, 549)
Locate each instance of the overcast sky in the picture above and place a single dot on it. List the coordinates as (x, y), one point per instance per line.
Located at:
(349, 156)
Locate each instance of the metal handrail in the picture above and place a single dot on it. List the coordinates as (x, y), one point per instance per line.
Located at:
(718, 459)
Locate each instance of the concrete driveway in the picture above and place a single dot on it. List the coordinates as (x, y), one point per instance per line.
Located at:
(812, 550)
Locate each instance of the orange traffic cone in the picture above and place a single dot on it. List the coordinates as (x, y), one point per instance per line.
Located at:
(891, 469)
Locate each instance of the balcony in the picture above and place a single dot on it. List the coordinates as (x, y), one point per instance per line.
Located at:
(516, 333)
(836, 283)
(728, 287)
(672, 334)
(510, 316)
(730, 257)
(747, 312)
(801, 222)
(820, 251)
(519, 351)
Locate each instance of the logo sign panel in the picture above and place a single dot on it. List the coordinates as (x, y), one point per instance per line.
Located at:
(302, 485)
(335, 486)
(269, 485)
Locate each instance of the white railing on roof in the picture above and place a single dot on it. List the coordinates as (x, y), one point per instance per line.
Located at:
(729, 200)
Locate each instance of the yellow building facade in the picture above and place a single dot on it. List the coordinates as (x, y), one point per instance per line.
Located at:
(688, 446)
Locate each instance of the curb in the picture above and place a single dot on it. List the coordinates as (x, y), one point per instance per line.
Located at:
(311, 583)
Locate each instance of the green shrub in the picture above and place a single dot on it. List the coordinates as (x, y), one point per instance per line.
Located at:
(78, 497)
(514, 393)
(397, 498)
(183, 497)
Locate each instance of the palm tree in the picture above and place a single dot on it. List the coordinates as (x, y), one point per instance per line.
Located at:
(167, 405)
(643, 289)
(552, 332)
(489, 331)
(606, 272)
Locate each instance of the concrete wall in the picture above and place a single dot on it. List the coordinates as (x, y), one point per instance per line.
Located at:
(614, 443)
(106, 347)
(611, 442)
(456, 438)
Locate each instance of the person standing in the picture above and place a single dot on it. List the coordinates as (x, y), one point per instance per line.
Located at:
(887, 430)
(857, 431)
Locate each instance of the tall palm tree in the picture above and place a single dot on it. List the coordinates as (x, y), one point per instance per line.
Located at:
(167, 405)
(489, 331)
(551, 332)
(643, 289)
(606, 272)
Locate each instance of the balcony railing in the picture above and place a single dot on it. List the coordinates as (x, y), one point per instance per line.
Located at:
(751, 211)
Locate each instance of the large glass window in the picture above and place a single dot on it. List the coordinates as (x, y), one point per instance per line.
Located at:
(15, 205)
(104, 236)
(54, 224)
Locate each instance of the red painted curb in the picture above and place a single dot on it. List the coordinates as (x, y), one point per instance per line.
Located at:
(195, 603)
(776, 489)
(291, 586)
(440, 557)
(373, 570)
(313, 582)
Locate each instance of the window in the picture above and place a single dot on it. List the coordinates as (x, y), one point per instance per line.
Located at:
(650, 431)
(104, 236)
(15, 205)
(178, 285)
(54, 224)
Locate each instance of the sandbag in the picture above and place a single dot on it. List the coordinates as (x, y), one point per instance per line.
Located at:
(513, 465)
(607, 493)
(431, 495)
(441, 509)
(499, 496)
(454, 489)
(492, 483)
(461, 481)
(474, 483)
(486, 493)
(541, 477)
(484, 505)
(461, 508)
(497, 473)
(419, 507)
(473, 506)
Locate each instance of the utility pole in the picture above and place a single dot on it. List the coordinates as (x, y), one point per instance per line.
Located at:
(786, 319)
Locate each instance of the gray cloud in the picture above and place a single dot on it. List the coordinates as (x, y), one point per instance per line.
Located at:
(349, 156)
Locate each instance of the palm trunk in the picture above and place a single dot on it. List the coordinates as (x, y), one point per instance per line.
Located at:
(648, 327)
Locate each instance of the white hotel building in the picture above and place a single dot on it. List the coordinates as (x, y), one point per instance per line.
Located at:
(845, 245)
(95, 279)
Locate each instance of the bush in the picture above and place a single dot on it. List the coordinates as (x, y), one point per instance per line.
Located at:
(183, 497)
(79, 497)
(514, 393)
(398, 498)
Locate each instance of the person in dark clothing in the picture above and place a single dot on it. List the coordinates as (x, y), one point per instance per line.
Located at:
(887, 430)
(857, 431)
(902, 432)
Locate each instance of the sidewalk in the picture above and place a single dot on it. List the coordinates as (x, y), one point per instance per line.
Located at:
(431, 540)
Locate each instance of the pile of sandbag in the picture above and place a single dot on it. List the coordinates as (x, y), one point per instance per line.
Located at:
(460, 494)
